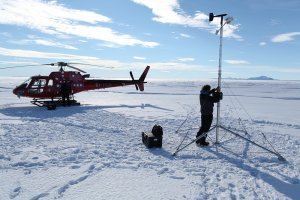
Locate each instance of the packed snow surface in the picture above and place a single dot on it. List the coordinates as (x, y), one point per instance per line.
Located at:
(95, 151)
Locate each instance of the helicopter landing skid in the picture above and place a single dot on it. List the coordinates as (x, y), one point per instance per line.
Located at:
(52, 104)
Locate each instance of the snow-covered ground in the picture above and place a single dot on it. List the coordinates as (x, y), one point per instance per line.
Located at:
(95, 151)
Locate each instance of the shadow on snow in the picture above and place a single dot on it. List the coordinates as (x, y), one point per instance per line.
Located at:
(43, 113)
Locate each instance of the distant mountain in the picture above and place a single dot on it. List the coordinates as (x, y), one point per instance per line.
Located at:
(230, 78)
(252, 78)
(260, 78)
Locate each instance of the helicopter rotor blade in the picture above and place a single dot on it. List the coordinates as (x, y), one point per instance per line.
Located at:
(63, 64)
(76, 68)
(60, 64)
(131, 75)
(51, 64)
(91, 65)
(19, 66)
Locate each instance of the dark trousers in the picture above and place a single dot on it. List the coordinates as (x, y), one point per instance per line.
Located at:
(206, 121)
(64, 98)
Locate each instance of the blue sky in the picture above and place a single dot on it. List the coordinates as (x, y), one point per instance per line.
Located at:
(173, 37)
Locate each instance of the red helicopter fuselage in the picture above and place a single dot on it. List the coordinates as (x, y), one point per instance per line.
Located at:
(49, 87)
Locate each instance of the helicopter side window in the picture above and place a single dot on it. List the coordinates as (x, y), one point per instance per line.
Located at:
(50, 83)
(39, 83)
(38, 86)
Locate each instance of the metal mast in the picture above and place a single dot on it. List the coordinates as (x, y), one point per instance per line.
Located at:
(219, 79)
(228, 20)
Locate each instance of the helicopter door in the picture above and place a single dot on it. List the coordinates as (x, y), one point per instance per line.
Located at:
(50, 87)
(38, 86)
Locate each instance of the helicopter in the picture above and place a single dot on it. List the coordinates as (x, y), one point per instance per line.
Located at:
(47, 91)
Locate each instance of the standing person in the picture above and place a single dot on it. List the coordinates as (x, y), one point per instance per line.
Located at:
(207, 99)
(65, 93)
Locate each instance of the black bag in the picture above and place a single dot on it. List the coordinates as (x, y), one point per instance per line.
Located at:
(151, 141)
(218, 96)
(157, 131)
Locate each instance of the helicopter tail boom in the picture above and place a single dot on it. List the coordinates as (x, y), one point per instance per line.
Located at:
(93, 84)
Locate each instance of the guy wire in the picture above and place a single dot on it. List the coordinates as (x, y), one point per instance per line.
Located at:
(251, 119)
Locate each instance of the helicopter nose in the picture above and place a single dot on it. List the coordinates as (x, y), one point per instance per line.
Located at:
(17, 91)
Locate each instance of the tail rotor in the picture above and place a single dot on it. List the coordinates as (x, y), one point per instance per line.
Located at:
(139, 84)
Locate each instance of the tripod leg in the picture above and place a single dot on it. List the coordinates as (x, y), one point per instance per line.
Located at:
(200, 136)
(254, 143)
(182, 140)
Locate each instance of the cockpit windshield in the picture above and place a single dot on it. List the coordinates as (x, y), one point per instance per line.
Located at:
(25, 83)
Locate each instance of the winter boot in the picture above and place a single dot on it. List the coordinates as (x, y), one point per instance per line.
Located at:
(203, 143)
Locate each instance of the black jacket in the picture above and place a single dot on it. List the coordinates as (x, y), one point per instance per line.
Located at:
(207, 100)
(65, 89)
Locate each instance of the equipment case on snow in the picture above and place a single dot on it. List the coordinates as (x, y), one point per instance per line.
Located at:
(150, 140)
(153, 138)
